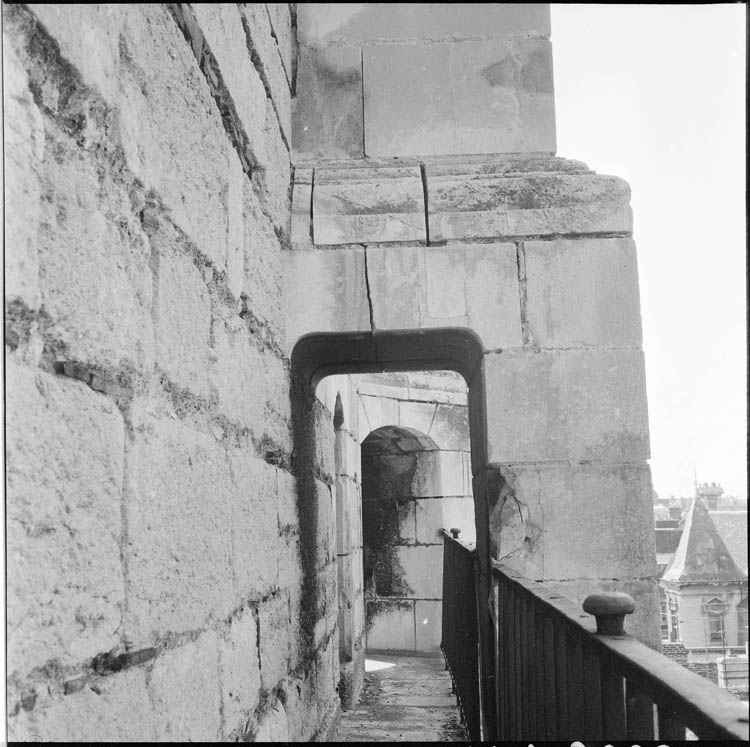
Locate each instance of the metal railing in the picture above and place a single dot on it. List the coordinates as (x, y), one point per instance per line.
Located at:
(562, 674)
(460, 635)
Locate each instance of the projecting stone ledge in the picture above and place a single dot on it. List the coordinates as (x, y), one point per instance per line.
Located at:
(373, 201)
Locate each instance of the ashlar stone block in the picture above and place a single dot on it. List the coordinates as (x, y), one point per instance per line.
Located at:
(361, 205)
(434, 514)
(536, 203)
(325, 291)
(582, 292)
(423, 569)
(565, 521)
(392, 625)
(329, 79)
(64, 472)
(428, 624)
(178, 549)
(184, 687)
(274, 639)
(567, 405)
(239, 672)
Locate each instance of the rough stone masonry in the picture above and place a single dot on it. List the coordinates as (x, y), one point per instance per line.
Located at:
(210, 210)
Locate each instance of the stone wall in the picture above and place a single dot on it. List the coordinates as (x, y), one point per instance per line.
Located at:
(155, 544)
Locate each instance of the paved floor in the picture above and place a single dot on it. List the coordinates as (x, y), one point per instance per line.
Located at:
(408, 700)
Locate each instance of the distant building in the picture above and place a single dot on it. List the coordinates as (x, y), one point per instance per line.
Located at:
(705, 591)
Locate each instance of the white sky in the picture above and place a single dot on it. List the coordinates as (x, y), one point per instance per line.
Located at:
(656, 94)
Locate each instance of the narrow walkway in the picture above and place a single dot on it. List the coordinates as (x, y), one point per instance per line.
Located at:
(407, 700)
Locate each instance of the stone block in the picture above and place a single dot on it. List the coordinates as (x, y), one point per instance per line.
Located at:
(108, 713)
(329, 79)
(178, 549)
(276, 176)
(408, 108)
(256, 545)
(221, 24)
(301, 227)
(184, 688)
(416, 415)
(376, 412)
(492, 295)
(450, 427)
(428, 623)
(24, 151)
(182, 317)
(331, 22)
(536, 203)
(325, 290)
(262, 271)
(409, 287)
(235, 266)
(64, 475)
(346, 514)
(567, 405)
(503, 96)
(361, 205)
(539, 518)
(273, 726)
(281, 22)
(434, 514)
(582, 292)
(239, 673)
(273, 639)
(407, 529)
(268, 62)
(390, 626)
(440, 473)
(286, 499)
(423, 569)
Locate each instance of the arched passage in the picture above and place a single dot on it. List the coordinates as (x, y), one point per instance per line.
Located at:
(317, 356)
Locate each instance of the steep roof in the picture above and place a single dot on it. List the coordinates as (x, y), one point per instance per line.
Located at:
(732, 527)
(701, 555)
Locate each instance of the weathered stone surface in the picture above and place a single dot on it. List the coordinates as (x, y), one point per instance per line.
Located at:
(276, 176)
(368, 204)
(273, 726)
(434, 514)
(582, 292)
(64, 452)
(502, 96)
(441, 473)
(376, 412)
(184, 687)
(221, 24)
(468, 97)
(239, 673)
(119, 711)
(268, 60)
(235, 267)
(535, 204)
(428, 624)
(583, 521)
(262, 279)
(251, 383)
(301, 230)
(409, 288)
(408, 109)
(178, 549)
(286, 499)
(182, 316)
(24, 150)
(326, 291)
(273, 639)
(450, 427)
(392, 625)
(572, 404)
(281, 23)
(255, 530)
(423, 569)
(331, 22)
(416, 415)
(329, 79)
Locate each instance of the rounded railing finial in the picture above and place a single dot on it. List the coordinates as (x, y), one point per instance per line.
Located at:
(455, 532)
(609, 608)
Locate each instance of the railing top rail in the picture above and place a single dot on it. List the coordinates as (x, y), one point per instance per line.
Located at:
(705, 708)
(466, 546)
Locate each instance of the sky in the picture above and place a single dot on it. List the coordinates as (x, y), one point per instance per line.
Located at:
(655, 94)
